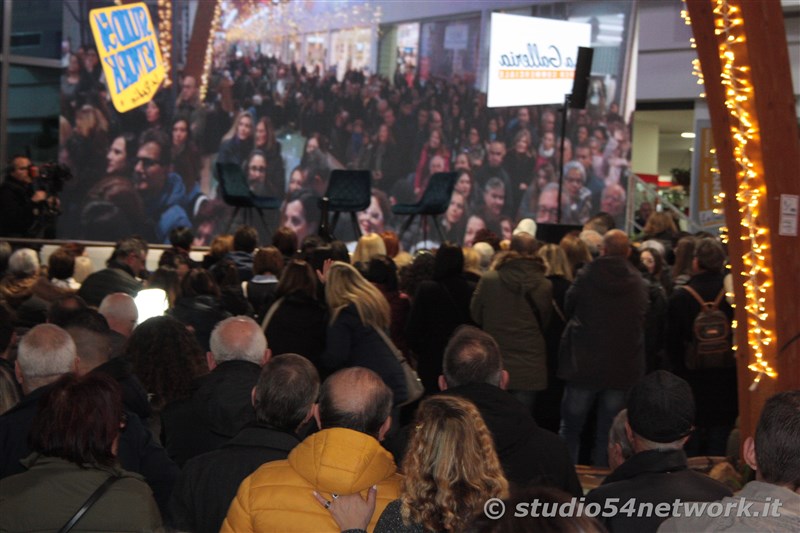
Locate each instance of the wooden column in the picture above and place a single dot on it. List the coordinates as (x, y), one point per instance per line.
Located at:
(196, 53)
(765, 52)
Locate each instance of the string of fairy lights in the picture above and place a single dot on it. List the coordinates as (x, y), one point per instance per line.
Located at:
(165, 37)
(735, 77)
(209, 55)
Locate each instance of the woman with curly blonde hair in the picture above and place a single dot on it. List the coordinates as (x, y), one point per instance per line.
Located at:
(451, 469)
(360, 316)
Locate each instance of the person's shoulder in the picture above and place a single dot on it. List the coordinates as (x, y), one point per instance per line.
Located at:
(716, 489)
(268, 474)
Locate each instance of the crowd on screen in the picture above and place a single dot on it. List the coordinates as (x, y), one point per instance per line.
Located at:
(402, 130)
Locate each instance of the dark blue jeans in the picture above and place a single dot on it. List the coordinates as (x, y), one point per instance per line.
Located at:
(575, 406)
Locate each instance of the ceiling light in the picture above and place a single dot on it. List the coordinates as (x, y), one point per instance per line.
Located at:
(687, 135)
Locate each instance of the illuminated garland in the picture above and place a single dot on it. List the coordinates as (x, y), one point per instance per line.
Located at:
(751, 189)
(209, 57)
(165, 37)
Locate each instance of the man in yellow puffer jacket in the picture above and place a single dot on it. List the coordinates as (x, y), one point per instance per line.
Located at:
(345, 457)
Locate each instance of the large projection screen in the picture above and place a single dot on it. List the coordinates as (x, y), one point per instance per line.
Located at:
(532, 60)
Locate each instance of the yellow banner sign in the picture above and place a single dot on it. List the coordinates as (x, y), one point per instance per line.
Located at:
(128, 47)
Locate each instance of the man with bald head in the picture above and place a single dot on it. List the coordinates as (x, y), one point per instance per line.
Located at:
(602, 348)
(344, 457)
(284, 399)
(47, 352)
(220, 404)
(120, 312)
(100, 351)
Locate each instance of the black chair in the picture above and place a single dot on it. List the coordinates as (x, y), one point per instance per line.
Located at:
(434, 203)
(349, 191)
(237, 194)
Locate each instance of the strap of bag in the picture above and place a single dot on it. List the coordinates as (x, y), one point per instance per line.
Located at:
(395, 350)
(88, 504)
(558, 311)
(535, 310)
(718, 299)
(703, 303)
(270, 313)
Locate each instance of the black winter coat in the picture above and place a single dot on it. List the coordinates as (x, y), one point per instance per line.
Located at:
(438, 308)
(298, 326)
(352, 343)
(528, 453)
(202, 313)
(220, 406)
(603, 343)
(134, 397)
(208, 483)
(654, 477)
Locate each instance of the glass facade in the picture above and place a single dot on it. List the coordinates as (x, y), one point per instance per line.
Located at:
(32, 119)
(31, 48)
(36, 29)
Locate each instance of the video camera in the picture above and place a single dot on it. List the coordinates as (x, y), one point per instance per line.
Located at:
(52, 177)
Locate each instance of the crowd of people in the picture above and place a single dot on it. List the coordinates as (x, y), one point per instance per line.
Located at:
(260, 389)
(266, 386)
(154, 168)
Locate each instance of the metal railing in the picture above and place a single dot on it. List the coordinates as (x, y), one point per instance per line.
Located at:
(640, 191)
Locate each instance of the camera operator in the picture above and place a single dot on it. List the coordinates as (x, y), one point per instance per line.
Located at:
(23, 205)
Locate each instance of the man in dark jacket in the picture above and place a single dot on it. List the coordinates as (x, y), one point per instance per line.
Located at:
(100, 351)
(245, 241)
(17, 199)
(660, 418)
(714, 388)
(220, 405)
(126, 263)
(46, 353)
(283, 399)
(602, 349)
(473, 369)
(513, 302)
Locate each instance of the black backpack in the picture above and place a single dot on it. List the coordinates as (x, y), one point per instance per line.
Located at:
(711, 338)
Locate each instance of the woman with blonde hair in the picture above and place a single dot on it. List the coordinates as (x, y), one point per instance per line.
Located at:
(88, 146)
(367, 247)
(356, 335)
(237, 144)
(556, 260)
(577, 252)
(451, 469)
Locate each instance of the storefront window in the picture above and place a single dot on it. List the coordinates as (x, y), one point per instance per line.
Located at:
(450, 48)
(350, 49)
(316, 50)
(407, 44)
